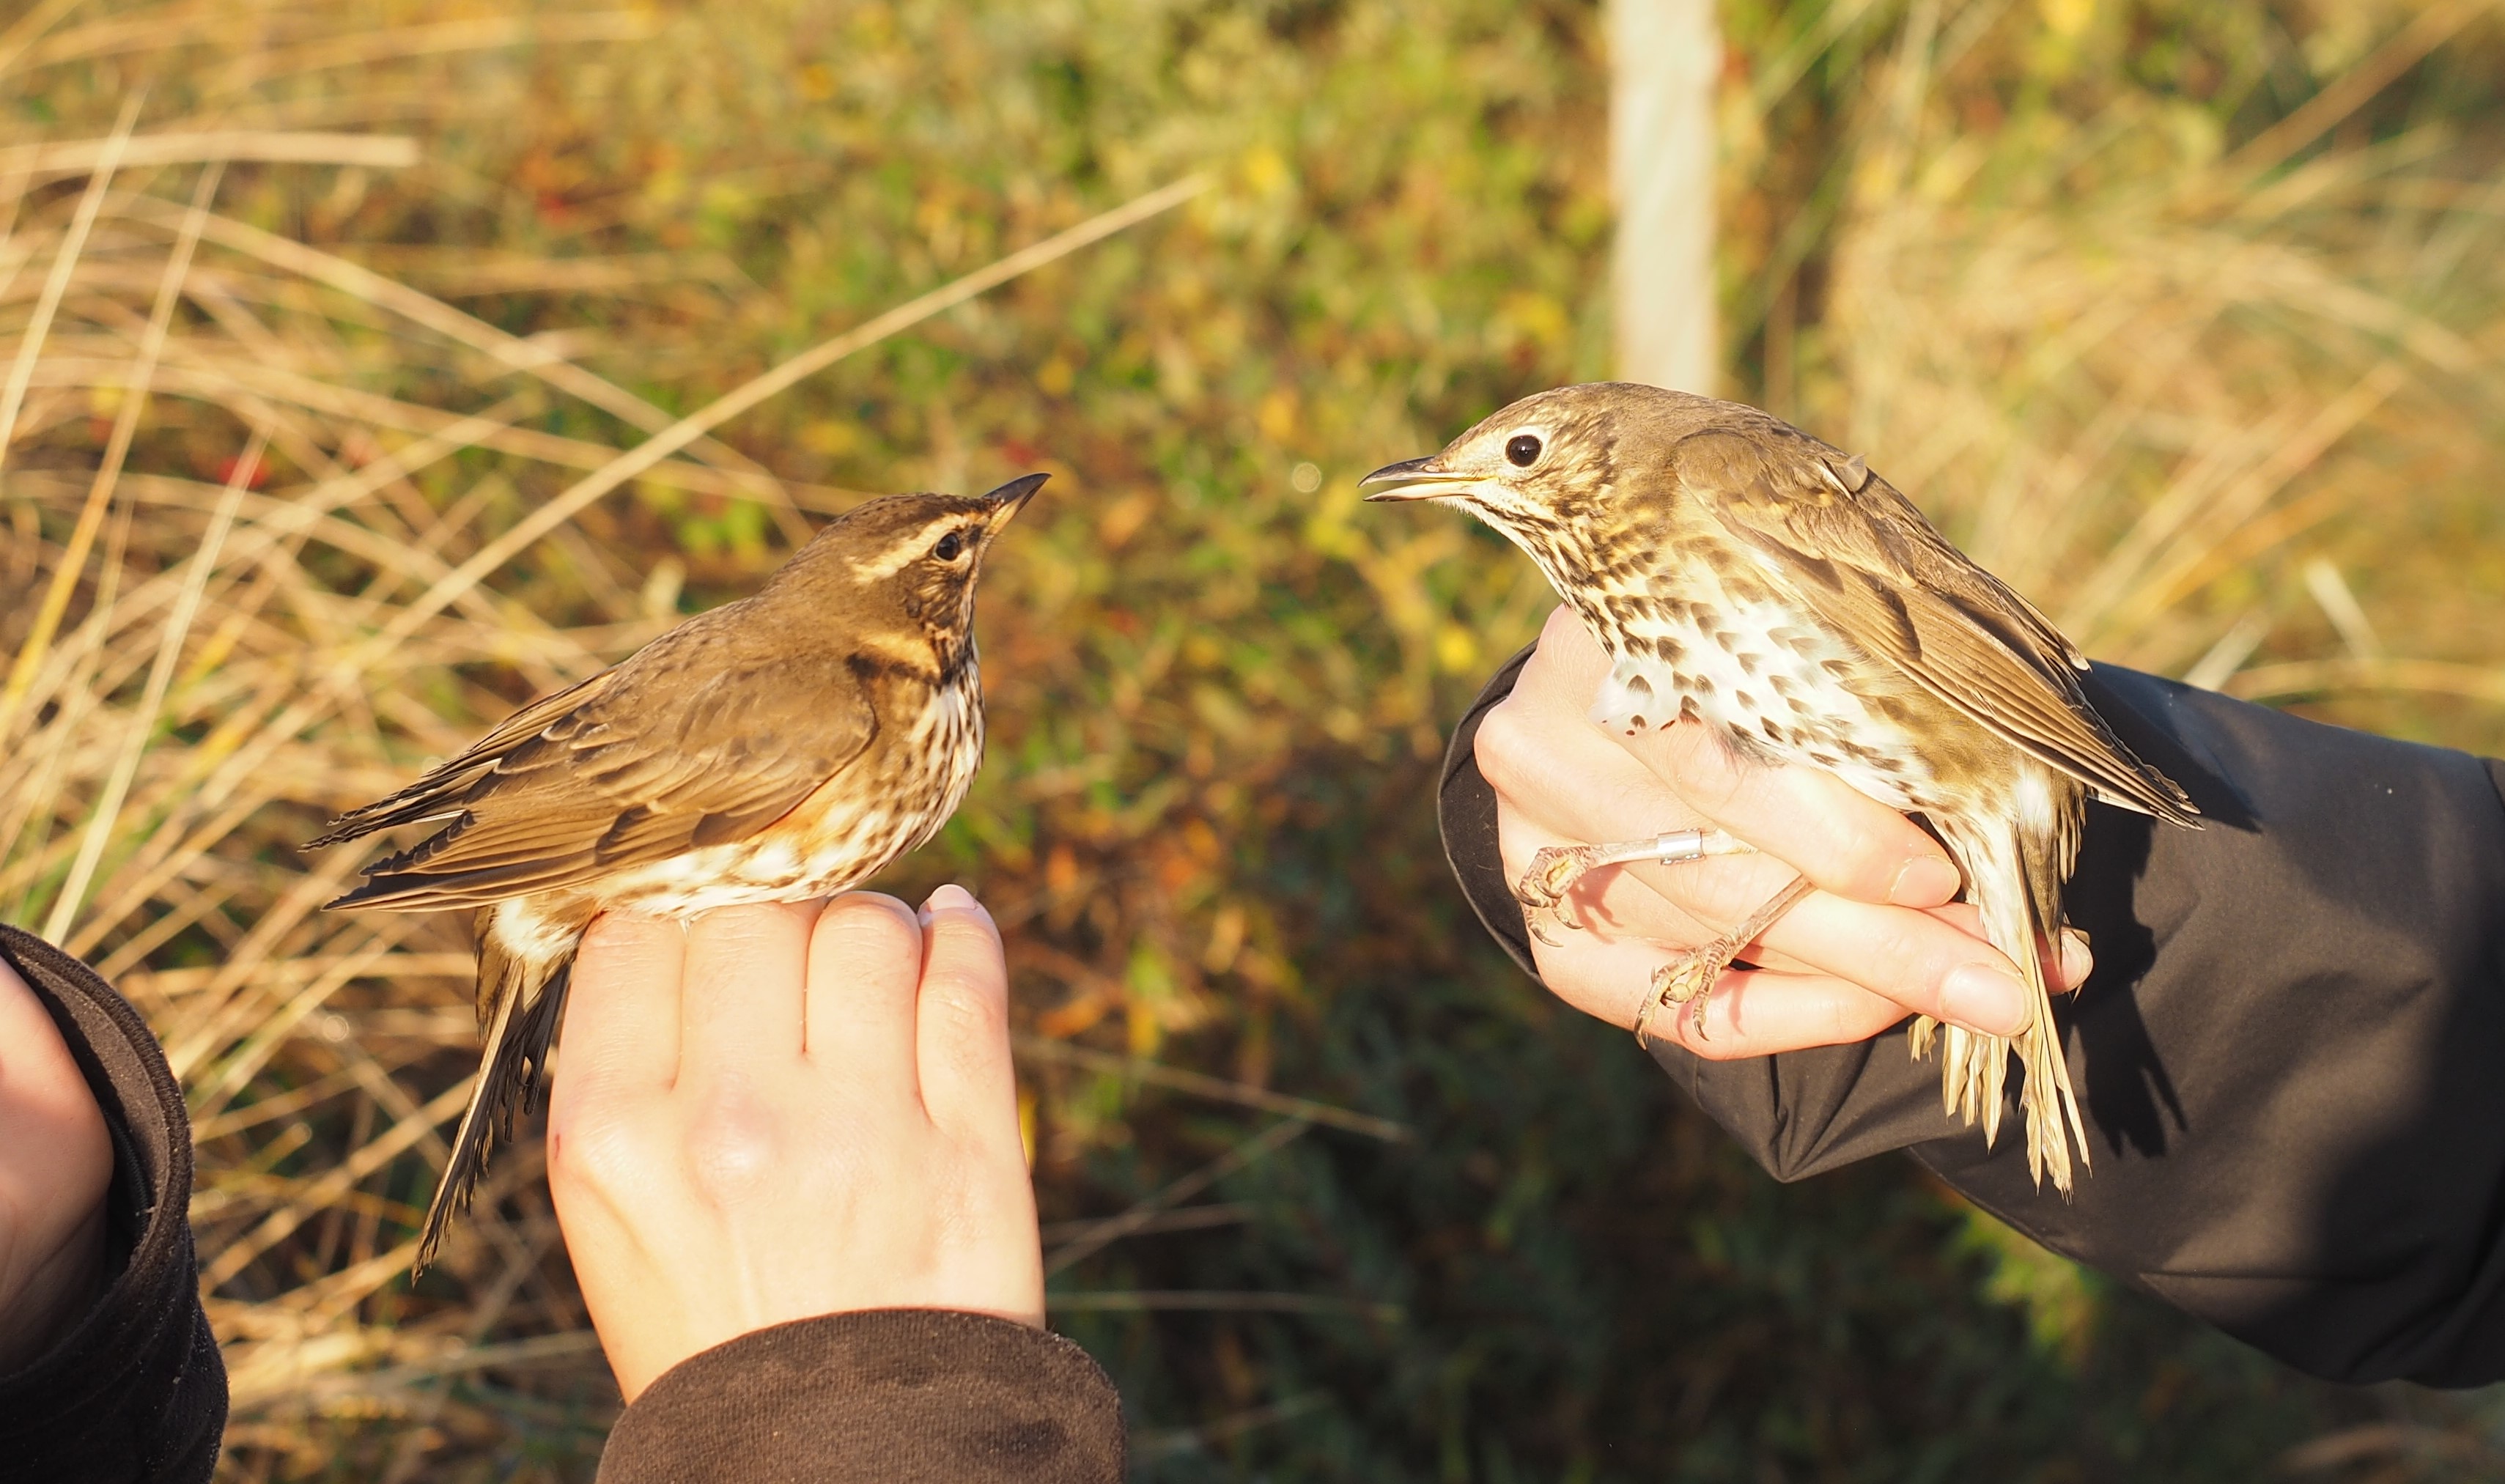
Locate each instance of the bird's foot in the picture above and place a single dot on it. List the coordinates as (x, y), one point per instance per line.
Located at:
(1545, 888)
(1688, 978)
(1692, 976)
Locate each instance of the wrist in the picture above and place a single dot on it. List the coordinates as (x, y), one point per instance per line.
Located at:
(55, 1296)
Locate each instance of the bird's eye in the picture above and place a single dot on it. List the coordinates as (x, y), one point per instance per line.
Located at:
(1522, 450)
(950, 547)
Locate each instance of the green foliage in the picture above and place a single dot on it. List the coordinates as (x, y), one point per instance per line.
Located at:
(1218, 683)
(2059, 1297)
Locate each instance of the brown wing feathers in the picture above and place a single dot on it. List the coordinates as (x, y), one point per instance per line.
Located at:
(558, 796)
(1859, 551)
(437, 793)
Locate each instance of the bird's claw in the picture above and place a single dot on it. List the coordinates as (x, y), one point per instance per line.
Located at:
(1545, 889)
(1691, 978)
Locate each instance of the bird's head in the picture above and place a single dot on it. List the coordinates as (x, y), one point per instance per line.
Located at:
(1552, 471)
(909, 562)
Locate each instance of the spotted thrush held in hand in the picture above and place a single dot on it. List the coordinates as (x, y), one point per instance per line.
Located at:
(782, 747)
(1744, 576)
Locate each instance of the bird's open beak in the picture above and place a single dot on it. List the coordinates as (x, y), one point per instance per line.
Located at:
(1412, 479)
(1011, 498)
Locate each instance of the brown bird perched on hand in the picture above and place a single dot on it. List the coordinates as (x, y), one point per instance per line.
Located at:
(1747, 577)
(779, 747)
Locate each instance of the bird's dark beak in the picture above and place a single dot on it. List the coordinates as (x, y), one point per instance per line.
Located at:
(1412, 479)
(1011, 498)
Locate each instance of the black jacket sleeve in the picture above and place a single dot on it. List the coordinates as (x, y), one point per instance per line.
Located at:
(882, 1397)
(136, 1393)
(2291, 1055)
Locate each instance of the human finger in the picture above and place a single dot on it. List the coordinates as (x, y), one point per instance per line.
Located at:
(1579, 787)
(1751, 1012)
(1936, 963)
(1556, 766)
(1840, 838)
(1690, 902)
(1543, 756)
(746, 969)
(969, 1083)
(621, 1010)
(865, 969)
(1759, 1013)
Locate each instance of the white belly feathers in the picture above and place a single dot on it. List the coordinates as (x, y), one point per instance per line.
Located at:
(1754, 670)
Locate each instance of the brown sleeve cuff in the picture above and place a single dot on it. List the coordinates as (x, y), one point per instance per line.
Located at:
(137, 1391)
(895, 1396)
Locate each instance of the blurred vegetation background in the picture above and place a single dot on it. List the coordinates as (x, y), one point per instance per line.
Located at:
(327, 321)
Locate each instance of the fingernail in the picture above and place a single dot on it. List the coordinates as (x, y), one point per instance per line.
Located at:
(1926, 881)
(950, 897)
(1982, 998)
(2077, 962)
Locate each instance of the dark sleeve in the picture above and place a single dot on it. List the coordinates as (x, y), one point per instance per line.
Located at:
(881, 1397)
(136, 1393)
(2291, 1054)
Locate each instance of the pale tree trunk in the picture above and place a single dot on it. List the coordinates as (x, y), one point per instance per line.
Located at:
(1664, 56)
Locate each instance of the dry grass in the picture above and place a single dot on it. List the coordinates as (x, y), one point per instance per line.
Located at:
(281, 517)
(282, 626)
(2189, 396)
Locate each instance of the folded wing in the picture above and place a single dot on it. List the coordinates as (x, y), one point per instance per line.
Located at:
(678, 749)
(1866, 561)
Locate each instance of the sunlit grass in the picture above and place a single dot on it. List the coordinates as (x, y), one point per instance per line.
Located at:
(318, 401)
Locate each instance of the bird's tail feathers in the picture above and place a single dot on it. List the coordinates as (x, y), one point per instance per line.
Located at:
(2013, 892)
(527, 1000)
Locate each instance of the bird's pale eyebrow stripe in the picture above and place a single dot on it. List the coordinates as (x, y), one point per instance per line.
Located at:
(905, 548)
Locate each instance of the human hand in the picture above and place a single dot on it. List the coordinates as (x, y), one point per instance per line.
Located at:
(1879, 940)
(789, 1110)
(56, 1166)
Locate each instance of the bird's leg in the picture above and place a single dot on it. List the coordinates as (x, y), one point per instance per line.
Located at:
(1692, 976)
(1545, 887)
